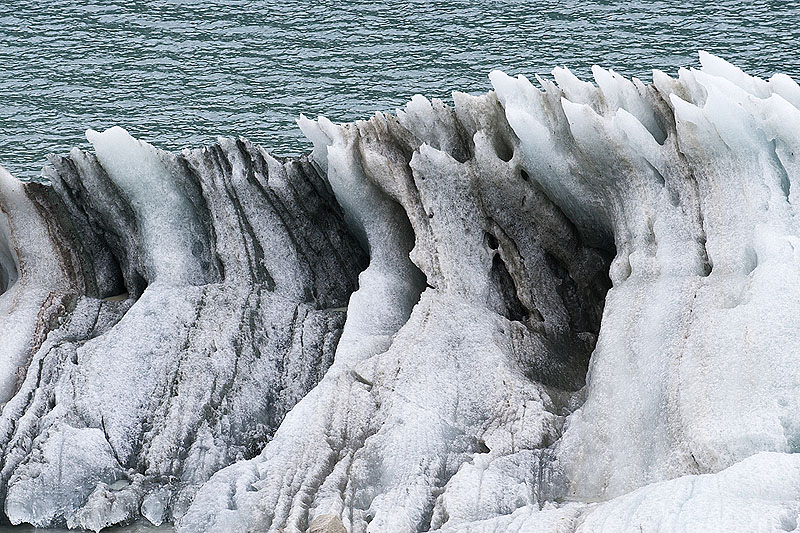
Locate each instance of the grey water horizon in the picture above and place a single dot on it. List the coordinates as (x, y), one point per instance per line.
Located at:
(180, 74)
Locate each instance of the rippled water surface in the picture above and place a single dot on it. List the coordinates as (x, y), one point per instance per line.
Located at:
(179, 73)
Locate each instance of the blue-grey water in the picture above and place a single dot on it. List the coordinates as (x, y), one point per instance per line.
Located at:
(180, 72)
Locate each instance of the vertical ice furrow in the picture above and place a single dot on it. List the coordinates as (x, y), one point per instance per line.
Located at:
(106, 228)
(539, 122)
(175, 388)
(618, 148)
(623, 94)
(777, 118)
(390, 286)
(577, 90)
(30, 260)
(684, 87)
(138, 170)
(726, 175)
(740, 185)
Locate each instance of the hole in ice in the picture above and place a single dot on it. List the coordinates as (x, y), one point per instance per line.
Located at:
(514, 309)
(503, 149)
(708, 266)
(482, 447)
(197, 249)
(750, 260)
(786, 185)
(119, 484)
(8, 266)
(491, 241)
(8, 276)
(524, 175)
(659, 177)
(789, 522)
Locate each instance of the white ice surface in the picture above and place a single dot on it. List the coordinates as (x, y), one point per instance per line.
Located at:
(437, 413)
(691, 413)
(33, 281)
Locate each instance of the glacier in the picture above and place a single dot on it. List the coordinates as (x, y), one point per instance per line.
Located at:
(561, 307)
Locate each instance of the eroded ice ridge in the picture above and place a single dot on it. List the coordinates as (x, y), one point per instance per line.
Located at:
(164, 312)
(168, 310)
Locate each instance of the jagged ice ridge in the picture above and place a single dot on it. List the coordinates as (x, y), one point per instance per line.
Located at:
(567, 308)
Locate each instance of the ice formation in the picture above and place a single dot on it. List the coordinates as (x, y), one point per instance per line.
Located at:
(199, 297)
(564, 308)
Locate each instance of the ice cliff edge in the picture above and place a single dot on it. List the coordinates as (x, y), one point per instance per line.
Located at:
(573, 307)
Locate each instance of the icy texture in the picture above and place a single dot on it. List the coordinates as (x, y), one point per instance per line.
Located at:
(34, 274)
(695, 366)
(519, 201)
(206, 296)
(579, 313)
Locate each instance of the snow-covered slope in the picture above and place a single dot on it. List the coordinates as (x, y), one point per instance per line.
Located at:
(580, 312)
